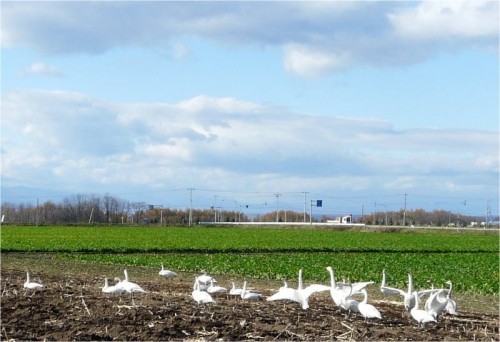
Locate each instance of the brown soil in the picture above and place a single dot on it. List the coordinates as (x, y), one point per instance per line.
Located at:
(72, 307)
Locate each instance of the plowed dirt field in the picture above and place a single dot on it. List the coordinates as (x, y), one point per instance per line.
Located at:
(72, 307)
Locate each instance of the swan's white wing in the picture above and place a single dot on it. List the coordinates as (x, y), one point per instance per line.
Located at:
(308, 291)
(131, 287)
(286, 293)
(392, 291)
(409, 300)
(342, 285)
(451, 307)
(341, 290)
(357, 287)
(340, 294)
(344, 289)
(205, 278)
(436, 303)
(427, 292)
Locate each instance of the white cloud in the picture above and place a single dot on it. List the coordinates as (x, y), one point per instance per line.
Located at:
(76, 141)
(309, 62)
(316, 37)
(40, 69)
(435, 20)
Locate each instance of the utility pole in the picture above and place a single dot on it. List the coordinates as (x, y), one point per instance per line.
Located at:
(215, 208)
(305, 204)
(277, 205)
(311, 213)
(190, 206)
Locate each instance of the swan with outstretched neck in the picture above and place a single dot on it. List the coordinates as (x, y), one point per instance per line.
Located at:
(451, 306)
(247, 295)
(31, 285)
(408, 296)
(338, 291)
(201, 297)
(235, 291)
(440, 301)
(367, 310)
(307, 292)
(113, 289)
(300, 295)
(128, 286)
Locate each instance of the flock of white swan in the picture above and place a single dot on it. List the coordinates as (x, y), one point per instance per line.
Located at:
(439, 300)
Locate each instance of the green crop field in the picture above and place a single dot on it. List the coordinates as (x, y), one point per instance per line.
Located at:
(469, 258)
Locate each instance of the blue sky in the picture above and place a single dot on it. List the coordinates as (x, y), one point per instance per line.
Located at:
(351, 102)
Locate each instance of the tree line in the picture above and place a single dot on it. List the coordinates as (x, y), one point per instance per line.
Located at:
(110, 210)
(94, 209)
(421, 217)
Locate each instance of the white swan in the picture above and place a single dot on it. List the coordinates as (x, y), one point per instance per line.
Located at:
(166, 273)
(215, 289)
(286, 293)
(451, 306)
(204, 281)
(205, 278)
(408, 296)
(338, 291)
(313, 288)
(113, 289)
(129, 286)
(436, 303)
(249, 295)
(357, 287)
(349, 304)
(441, 301)
(367, 310)
(201, 296)
(309, 291)
(384, 288)
(235, 291)
(30, 285)
(300, 295)
(421, 316)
